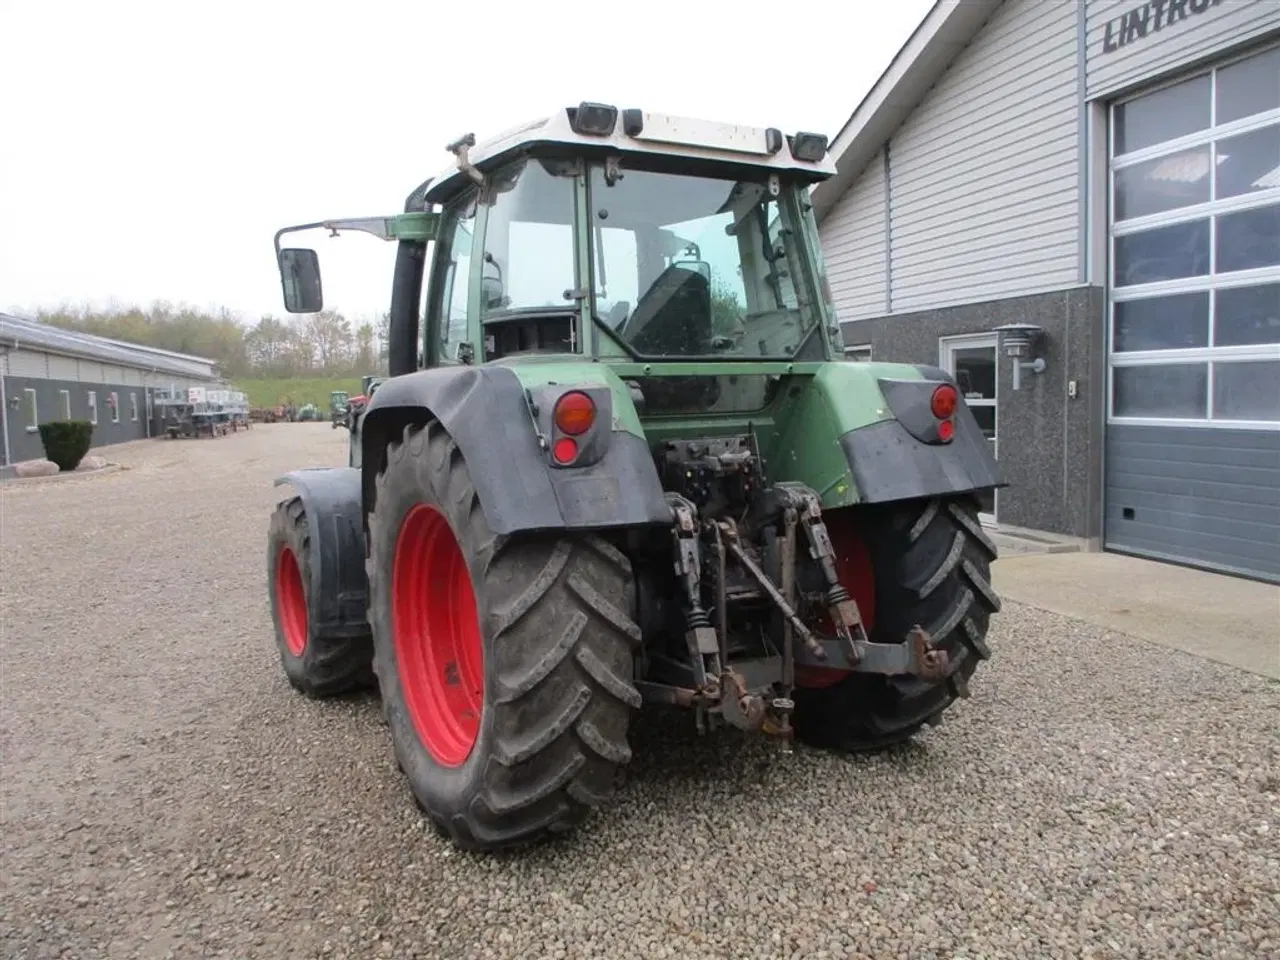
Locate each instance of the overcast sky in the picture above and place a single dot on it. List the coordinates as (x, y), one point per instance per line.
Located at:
(149, 150)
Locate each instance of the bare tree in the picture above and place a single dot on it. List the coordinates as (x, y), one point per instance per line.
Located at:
(366, 351)
(269, 345)
(329, 337)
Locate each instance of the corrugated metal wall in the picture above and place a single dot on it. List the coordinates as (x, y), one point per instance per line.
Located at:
(50, 366)
(27, 363)
(1177, 38)
(854, 244)
(983, 178)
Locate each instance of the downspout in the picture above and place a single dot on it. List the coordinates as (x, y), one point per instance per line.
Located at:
(148, 408)
(4, 409)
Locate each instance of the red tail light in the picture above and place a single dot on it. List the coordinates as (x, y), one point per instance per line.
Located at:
(946, 430)
(574, 413)
(565, 450)
(943, 402)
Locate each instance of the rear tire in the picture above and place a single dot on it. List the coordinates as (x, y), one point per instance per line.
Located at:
(932, 567)
(529, 632)
(316, 666)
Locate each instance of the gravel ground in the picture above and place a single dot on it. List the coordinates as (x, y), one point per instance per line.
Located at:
(166, 794)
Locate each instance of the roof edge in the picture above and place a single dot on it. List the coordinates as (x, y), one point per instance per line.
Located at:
(123, 344)
(22, 332)
(946, 29)
(147, 348)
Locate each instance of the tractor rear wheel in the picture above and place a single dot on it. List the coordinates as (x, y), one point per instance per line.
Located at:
(316, 666)
(506, 663)
(926, 563)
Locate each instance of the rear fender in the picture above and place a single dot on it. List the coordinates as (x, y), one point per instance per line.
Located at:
(495, 417)
(338, 594)
(887, 447)
(901, 458)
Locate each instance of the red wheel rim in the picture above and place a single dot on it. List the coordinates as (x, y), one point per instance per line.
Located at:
(853, 565)
(436, 633)
(291, 601)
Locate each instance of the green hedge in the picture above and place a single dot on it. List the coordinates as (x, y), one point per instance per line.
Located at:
(66, 441)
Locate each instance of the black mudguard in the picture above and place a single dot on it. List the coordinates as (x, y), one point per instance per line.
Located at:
(338, 593)
(899, 459)
(485, 411)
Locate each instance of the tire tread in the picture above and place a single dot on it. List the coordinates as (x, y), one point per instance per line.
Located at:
(939, 545)
(563, 696)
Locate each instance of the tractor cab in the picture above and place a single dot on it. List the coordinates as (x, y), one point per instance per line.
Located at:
(629, 237)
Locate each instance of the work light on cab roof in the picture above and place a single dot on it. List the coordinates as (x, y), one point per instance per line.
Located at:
(600, 120)
(596, 126)
(621, 458)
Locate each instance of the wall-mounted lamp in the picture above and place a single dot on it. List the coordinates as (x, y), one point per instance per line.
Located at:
(1022, 340)
(14, 401)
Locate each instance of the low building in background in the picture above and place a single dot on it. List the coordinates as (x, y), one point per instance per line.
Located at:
(48, 373)
(1094, 186)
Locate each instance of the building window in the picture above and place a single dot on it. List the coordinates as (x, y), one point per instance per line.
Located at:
(133, 406)
(93, 407)
(31, 409)
(1194, 314)
(113, 403)
(858, 351)
(65, 397)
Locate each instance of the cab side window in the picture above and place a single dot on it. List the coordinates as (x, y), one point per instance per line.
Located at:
(453, 276)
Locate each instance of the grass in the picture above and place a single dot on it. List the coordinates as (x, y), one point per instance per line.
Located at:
(272, 392)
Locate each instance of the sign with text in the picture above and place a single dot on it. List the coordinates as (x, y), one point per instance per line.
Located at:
(1150, 18)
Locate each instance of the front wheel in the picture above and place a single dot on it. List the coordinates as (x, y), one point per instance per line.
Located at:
(318, 666)
(505, 663)
(922, 563)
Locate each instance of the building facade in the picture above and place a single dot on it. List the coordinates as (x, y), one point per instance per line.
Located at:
(1107, 172)
(47, 373)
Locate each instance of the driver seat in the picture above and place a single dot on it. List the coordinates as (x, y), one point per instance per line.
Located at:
(673, 318)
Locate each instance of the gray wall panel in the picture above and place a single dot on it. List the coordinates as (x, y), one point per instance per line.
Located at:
(25, 444)
(1049, 447)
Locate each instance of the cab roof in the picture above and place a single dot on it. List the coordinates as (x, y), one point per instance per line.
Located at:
(603, 129)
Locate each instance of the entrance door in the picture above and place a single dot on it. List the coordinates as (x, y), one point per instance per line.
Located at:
(972, 361)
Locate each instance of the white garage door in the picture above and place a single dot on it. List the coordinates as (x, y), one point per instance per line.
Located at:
(1193, 434)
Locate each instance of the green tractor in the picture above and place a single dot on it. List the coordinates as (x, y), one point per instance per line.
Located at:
(623, 461)
(338, 408)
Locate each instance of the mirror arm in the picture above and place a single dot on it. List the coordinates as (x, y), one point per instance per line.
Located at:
(419, 226)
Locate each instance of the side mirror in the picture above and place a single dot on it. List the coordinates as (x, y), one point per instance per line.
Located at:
(300, 280)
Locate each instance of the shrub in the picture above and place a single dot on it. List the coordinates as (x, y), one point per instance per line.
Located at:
(66, 441)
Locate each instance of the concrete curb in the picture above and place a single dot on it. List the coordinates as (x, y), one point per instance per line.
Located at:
(1018, 542)
(7, 478)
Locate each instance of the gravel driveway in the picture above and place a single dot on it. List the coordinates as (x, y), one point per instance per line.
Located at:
(166, 794)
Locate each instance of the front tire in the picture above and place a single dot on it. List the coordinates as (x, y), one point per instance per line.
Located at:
(505, 663)
(318, 667)
(926, 563)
